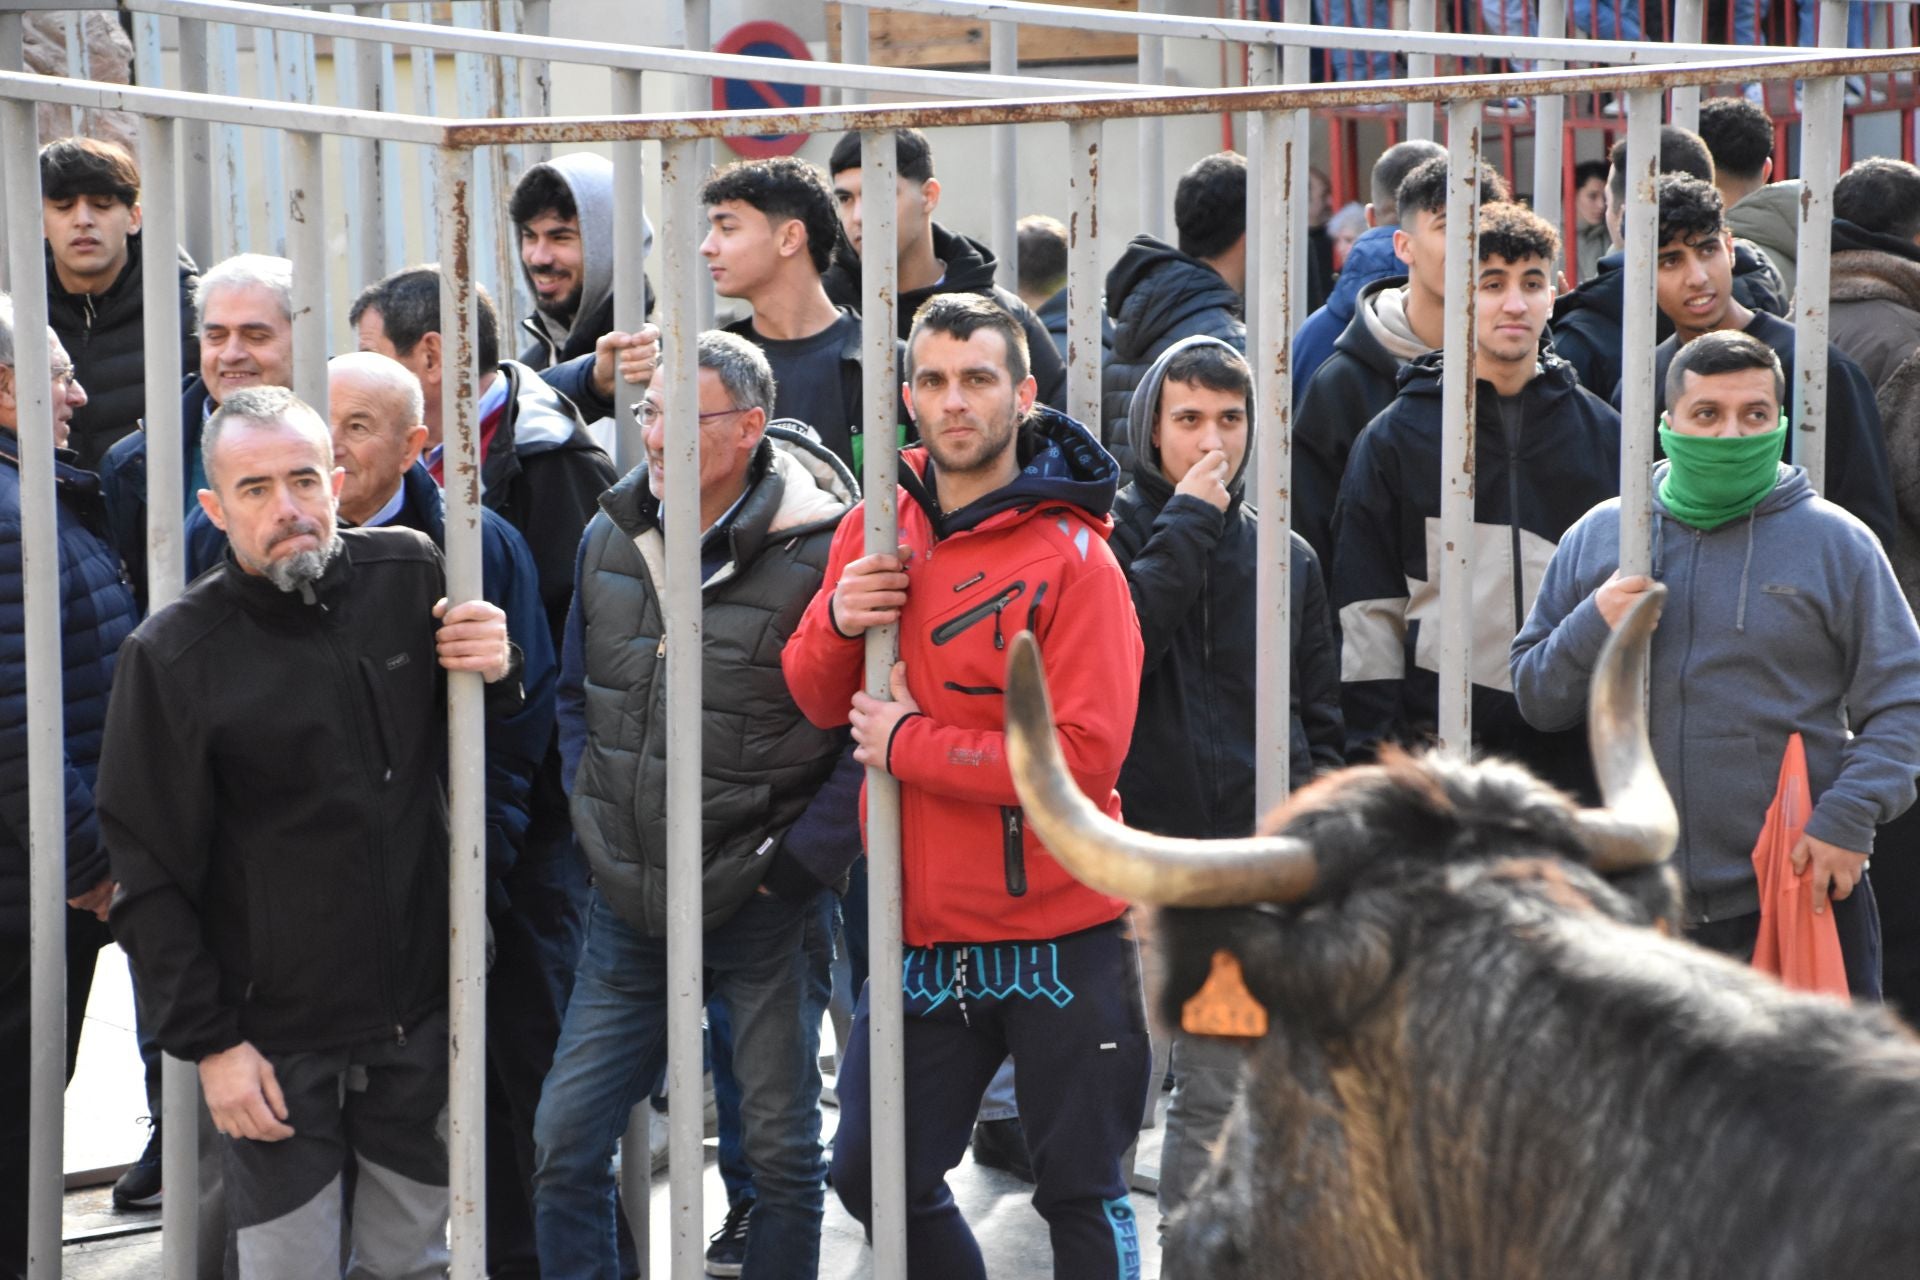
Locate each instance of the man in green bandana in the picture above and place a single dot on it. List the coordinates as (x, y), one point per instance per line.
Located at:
(1783, 616)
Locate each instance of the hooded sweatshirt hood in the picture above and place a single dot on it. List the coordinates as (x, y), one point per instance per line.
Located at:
(1770, 218)
(1153, 288)
(1141, 415)
(1060, 461)
(1371, 258)
(590, 178)
(1384, 312)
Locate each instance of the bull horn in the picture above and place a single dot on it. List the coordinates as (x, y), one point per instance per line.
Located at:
(1113, 858)
(1637, 827)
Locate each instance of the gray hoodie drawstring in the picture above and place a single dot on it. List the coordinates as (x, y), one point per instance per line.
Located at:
(1746, 571)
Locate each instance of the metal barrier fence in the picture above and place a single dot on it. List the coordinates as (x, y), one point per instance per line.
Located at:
(171, 118)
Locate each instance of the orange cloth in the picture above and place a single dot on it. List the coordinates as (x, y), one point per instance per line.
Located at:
(1795, 945)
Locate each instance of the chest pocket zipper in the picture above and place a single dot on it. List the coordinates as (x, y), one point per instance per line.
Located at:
(1016, 854)
(952, 627)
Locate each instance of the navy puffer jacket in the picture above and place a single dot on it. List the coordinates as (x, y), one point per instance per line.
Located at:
(96, 614)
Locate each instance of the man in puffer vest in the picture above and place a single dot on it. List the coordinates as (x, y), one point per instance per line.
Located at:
(1003, 528)
(776, 829)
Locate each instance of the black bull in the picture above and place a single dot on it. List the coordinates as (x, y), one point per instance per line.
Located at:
(1482, 1062)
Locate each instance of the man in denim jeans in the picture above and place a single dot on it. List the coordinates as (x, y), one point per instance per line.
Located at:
(777, 830)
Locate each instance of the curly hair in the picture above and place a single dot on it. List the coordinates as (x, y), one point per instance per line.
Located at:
(1425, 189)
(1516, 233)
(782, 188)
(1690, 210)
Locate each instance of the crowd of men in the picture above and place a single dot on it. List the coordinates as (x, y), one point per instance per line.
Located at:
(252, 769)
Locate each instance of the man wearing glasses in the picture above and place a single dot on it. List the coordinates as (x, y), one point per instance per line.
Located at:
(772, 834)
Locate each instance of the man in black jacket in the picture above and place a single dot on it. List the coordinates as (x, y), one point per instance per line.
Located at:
(1189, 546)
(932, 260)
(90, 198)
(1158, 294)
(282, 868)
(1694, 289)
(1546, 450)
(1395, 320)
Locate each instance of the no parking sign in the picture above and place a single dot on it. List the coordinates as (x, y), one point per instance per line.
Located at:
(764, 40)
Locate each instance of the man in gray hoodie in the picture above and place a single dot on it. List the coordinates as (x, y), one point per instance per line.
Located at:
(562, 212)
(1785, 618)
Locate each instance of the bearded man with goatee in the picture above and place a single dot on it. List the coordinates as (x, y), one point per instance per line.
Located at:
(274, 746)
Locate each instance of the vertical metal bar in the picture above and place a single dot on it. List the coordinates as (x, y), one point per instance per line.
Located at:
(46, 810)
(307, 218)
(1420, 17)
(12, 58)
(853, 47)
(697, 36)
(1641, 230)
(196, 145)
(228, 153)
(1296, 68)
(466, 728)
(266, 71)
(166, 578)
(392, 193)
(536, 19)
(680, 200)
(1285, 132)
(348, 91)
(1820, 123)
(368, 243)
(1151, 155)
(1003, 227)
(1689, 17)
(425, 66)
(1549, 111)
(148, 66)
(629, 263)
(1083, 274)
(508, 164)
(1263, 68)
(471, 71)
(885, 1013)
(71, 27)
(1459, 391)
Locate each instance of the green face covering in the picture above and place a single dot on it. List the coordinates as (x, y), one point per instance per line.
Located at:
(1712, 480)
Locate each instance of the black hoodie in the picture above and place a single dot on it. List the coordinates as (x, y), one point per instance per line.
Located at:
(1157, 295)
(1586, 322)
(104, 338)
(1544, 458)
(969, 269)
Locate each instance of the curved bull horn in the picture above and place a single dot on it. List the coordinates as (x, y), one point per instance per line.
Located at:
(1112, 857)
(1637, 827)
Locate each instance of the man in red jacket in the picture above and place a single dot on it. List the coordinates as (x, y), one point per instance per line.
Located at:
(1003, 525)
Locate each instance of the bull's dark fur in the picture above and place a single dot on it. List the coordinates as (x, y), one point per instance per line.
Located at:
(1483, 1065)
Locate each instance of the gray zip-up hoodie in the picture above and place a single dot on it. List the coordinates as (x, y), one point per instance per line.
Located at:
(1789, 620)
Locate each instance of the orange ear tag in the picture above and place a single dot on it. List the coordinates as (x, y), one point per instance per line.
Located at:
(1223, 1006)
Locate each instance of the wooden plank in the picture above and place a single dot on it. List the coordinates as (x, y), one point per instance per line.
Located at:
(925, 41)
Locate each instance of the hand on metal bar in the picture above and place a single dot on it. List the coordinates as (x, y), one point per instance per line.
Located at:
(634, 357)
(473, 637)
(874, 719)
(871, 592)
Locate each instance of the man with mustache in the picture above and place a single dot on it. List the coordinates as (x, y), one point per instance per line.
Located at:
(274, 749)
(562, 211)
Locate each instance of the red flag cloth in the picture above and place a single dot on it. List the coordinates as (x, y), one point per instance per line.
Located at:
(1795, 945)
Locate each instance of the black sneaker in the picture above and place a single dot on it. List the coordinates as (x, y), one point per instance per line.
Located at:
(139, 1186)
(727, 1249)
(1002, 1144)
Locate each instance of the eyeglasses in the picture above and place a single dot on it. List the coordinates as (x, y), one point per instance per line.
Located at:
(63, 380)
(649, 413)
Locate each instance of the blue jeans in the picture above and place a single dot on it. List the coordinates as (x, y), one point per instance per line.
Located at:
(1352, 64)
(1600, 19)
(1749, 14)
(612, 1047)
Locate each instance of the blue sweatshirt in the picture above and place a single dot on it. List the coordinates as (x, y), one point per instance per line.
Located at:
(1787, 621)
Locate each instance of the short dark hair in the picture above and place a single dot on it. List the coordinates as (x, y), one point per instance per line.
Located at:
(1690, 210)
(1739, 136)
(541, 190)
(409, 305)
(1392, 168)
(1516, 233)
(1425, 189)
(960, 316)
(1723, 351)
(1681, 151)
(1881, 195)
(1043, 252)
(784, 188)
(71, 167)
(1212, 365)
(1210, 205)
(1587, 171)
(912, 154)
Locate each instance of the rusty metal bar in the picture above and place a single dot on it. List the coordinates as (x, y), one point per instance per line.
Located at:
(1281, 237)
(680, 172)
(1263, 68)
(1083, 275)
(886, 1018)
(1150, 156)
(46, 1051)
(1004, 218)
(1821, 121)
(1642, 231)
(1459, 394)
(466, 725)
(1420, 65)
(1689, 18)
(196, 143)
(367, 240)
(307, 246)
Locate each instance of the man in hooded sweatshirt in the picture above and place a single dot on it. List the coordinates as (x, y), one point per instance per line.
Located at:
(562, 210)
(1546, 451)
(1876, 266)
(1783, 617)
(1587, 322)
(931, 259)
(1372, 257)
(1188, 543)
(1766, 214)
(1395, 320)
